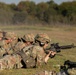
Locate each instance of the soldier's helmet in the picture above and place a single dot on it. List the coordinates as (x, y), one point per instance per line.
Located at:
(29, 37)
(10, 35)
(42, 37)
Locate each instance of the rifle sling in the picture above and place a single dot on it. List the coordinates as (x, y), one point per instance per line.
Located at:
(28, 60)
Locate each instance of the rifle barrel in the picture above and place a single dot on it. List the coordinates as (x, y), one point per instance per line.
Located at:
(67, 47)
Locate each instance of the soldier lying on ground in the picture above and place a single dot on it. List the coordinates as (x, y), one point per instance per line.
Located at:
(2, 50)
(8, 41)
(14, 60)
(32, 56)
(29, 38)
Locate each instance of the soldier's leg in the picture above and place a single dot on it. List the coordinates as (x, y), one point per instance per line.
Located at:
(18, 59)
(4, 62)
(2, 52)
(9, 61)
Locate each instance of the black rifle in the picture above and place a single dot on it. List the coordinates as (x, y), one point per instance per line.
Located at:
(70, 64)
(64, 69)
(57, 48)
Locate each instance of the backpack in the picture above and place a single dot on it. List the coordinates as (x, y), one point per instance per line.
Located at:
(27, 58)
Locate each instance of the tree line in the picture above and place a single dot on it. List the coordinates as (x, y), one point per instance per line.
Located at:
(28, 12)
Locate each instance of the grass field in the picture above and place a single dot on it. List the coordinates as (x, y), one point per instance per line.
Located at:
(64, 35)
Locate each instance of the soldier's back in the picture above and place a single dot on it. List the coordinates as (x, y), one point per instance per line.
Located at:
(19, 46)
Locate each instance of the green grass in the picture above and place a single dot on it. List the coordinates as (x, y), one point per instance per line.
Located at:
(64, 35)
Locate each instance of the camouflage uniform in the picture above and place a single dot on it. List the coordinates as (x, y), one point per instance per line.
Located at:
(38, 54)
(38, 51)
(2, 50)
(11, 61)
(32, 55)
(13, 37)
(35, 54)
(9, 46)
(26, 51)
(21, 44)
(29, 37)
(72, 71)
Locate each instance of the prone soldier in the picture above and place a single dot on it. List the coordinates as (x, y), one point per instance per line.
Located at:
(2, 49)
(14, 60)
(9, 40)
(36, 56)
(32, 56)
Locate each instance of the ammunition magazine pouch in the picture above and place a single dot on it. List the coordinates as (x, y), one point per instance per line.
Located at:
(29, 61)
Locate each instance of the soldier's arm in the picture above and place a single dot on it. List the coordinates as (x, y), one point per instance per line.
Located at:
(47, 56)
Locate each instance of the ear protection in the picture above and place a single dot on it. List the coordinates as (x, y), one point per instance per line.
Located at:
(40, 43)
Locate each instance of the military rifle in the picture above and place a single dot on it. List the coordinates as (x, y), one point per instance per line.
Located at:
(57, 48)
(70, 64)
(67, 65)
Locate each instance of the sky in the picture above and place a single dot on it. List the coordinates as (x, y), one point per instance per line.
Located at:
(37, 1)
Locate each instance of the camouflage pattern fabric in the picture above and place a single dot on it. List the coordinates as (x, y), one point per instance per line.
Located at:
(29, 61)
(19, 46)
(72, 71)
(11, 35)
(42, 37)
(13, 61)
(38, 54)
(9, 46)
(15, 57)
(6, 47)
(10, 62)
(14, 42)
(2, 49)
(29, 37)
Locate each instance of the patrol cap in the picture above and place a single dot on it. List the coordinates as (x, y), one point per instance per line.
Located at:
(42, 37)
(29, 37)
